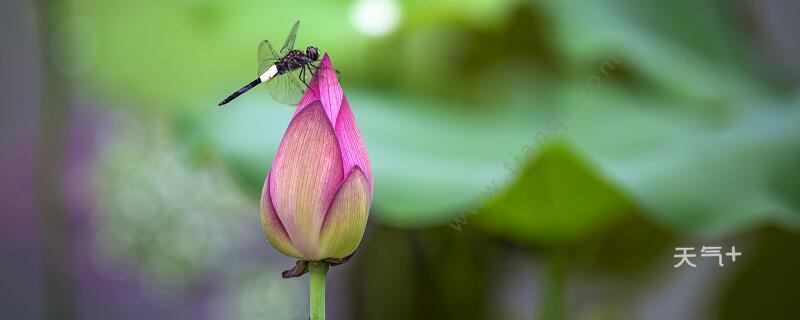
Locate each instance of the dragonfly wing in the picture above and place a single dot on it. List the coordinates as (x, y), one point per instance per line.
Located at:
(287, 88)
(289, 44)
(266, 56)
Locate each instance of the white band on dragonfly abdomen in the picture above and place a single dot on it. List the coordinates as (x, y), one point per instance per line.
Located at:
(271, 72)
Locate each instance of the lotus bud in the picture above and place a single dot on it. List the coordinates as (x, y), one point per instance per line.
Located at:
(316, 198)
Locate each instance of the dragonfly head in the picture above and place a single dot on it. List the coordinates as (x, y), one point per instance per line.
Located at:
(312, 52)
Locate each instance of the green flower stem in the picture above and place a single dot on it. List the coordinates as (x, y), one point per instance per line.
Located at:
(317, 289)
(554, 286)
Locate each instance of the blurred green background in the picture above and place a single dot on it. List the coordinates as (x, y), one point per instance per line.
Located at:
(532, 159)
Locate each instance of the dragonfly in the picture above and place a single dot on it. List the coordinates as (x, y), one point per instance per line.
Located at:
(286, 72)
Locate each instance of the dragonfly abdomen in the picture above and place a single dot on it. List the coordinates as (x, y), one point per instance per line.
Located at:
(240, 91)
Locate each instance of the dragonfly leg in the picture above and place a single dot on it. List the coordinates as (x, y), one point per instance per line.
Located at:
(309, 70)
(317, 67)
(302, 76)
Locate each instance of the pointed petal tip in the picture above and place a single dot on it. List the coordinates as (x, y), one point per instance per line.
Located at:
(325, 87)
(327, 68)
(357, 171)
(316, 85)
(326, 60)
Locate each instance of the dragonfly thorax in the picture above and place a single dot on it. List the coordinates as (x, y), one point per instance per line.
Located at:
(294, 59)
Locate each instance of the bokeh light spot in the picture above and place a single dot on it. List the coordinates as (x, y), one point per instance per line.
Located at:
(375, 17)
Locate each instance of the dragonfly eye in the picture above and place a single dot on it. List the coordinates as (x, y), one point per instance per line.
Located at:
(312, 53)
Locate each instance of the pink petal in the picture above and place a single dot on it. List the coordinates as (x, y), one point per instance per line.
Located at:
(305, 175)
(273, 228)
(354, 152)
(324, 87)
(330, 91)
(347, 217)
